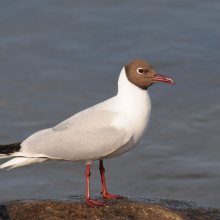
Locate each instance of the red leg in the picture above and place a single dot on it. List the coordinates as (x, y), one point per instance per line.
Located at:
(104, 190)
(90, 202)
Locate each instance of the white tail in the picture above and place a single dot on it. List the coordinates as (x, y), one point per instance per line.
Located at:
(21, 161)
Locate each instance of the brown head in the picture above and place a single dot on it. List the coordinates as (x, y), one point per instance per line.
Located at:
(142, 74)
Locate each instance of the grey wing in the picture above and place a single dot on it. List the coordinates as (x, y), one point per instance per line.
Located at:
(86, 137)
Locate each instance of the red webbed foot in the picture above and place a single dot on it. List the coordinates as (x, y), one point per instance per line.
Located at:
(111, 196)
(94, 203)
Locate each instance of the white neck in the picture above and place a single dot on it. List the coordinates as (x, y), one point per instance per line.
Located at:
(125, 87)
(132, 100)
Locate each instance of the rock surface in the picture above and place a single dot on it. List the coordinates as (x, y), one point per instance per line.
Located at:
(74, 207)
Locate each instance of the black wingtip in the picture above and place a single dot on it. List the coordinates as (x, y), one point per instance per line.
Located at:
(10, 148)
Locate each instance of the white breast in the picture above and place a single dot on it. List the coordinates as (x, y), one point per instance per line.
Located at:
(133, 103)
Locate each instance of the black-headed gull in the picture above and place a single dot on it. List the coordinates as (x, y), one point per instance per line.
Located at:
(103, 131)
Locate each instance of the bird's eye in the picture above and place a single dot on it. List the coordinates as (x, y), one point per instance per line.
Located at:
(140, 70)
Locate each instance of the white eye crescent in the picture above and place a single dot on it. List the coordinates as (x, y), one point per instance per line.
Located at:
(140, 70)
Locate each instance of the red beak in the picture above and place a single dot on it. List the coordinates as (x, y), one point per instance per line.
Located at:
(161, 78)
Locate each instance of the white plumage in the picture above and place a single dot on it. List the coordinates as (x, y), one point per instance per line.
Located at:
(106, 130)
(103, 131)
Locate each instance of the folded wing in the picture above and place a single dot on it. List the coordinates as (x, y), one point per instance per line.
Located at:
(86, 136)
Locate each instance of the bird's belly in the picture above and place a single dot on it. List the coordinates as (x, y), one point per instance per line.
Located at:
(130, 144)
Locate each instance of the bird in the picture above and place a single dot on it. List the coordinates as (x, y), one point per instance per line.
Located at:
(103, 131)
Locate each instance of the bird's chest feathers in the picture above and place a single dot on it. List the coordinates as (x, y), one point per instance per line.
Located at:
(137, 111)
(139, 117)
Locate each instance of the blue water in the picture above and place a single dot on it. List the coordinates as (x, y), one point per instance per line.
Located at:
(60, 57)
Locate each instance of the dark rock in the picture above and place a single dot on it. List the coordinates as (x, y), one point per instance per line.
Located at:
(74, 207)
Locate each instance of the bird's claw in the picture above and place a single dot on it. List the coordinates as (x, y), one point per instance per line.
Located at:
(94, 203)
(111, 196)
